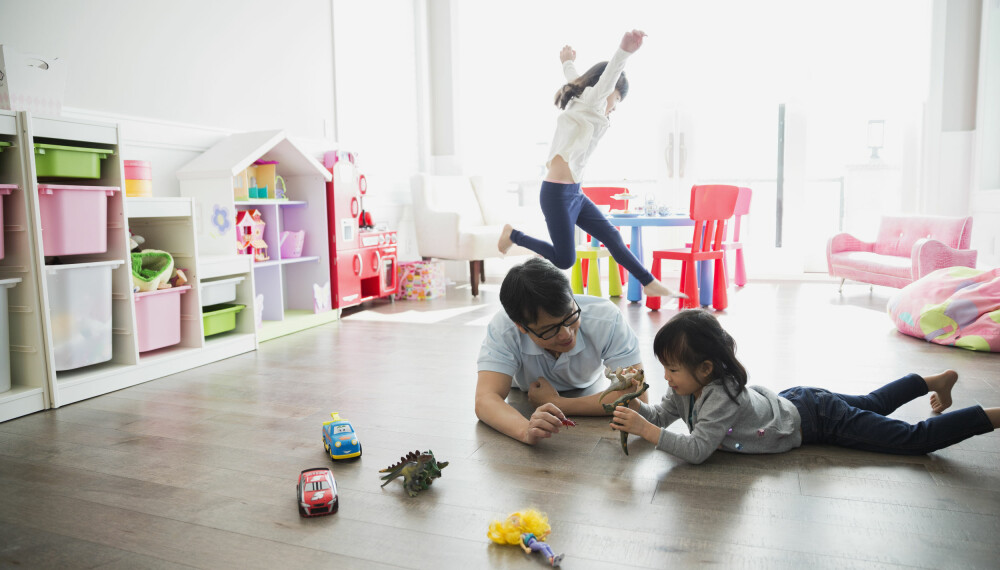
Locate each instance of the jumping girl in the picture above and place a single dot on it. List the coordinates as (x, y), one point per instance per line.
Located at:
(587, 101)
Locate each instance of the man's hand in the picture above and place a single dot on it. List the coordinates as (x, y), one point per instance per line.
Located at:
(544, 422)
(541, 392)
(567, 54)
(628, 420)
(632, 41)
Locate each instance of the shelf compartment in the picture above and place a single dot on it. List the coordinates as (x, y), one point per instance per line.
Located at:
(220, 318)
(212, 266)
(74, 219)
(159, 207)
(219, 291)
(158, 317)
(80, 312)
(274, 262)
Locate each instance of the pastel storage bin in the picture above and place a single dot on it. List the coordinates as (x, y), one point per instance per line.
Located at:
(158, 317)
(291, 244)
(5, 334)
(5, 190)
(138, 178)
(80, 312)
(74, 218)
(421, 280)
(219, 291)
(220, 318)
(57, 161)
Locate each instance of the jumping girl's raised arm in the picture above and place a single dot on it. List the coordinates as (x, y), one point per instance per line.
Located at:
(568, 56)
(631, 42)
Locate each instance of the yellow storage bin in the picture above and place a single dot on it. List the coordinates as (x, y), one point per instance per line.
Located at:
(138, 188)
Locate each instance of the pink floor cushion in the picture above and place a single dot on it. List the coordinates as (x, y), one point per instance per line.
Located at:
(955, 306)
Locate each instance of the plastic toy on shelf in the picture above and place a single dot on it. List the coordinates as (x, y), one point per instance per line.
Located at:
(291, 244)
(317, 492)
(339, 438)
(250, 234)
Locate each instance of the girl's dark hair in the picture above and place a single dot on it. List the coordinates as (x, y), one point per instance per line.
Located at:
(589, 79)
(694, 336)
(535, 285)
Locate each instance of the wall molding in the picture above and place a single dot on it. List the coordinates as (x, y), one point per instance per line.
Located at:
(146, 132)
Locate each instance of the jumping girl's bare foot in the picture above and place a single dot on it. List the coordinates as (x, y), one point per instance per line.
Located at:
(656, 289)
(941, 385)
(505, 242)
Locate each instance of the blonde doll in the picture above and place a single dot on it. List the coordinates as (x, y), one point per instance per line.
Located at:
(527, 529)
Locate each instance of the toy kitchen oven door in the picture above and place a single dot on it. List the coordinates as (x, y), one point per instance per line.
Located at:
(364, 262)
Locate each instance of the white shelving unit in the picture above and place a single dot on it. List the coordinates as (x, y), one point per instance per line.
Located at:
(285, 288)
(28, 365)
(67, 386)
(166, 223)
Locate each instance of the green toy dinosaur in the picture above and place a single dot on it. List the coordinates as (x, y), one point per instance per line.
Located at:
(620, 380)
(418, 470)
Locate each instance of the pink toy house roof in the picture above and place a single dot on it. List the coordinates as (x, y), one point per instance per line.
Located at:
(249, 217)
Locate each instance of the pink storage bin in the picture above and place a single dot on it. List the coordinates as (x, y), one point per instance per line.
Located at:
(74, 218)
(291, 244)
(138, 170)
(158, 317)
(5, 190)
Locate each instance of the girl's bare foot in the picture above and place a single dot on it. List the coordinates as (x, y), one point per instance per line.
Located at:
(656, 289)
(941, 384)
(505, 242)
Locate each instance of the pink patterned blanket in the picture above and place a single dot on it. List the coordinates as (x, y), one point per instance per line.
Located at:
(955, 306)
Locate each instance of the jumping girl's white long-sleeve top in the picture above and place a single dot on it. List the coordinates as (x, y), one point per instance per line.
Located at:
(582, 124)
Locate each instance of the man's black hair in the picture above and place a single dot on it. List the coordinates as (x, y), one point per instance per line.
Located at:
(535, 285)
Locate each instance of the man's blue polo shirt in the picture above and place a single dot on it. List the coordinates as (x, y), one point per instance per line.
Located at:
(603, 339)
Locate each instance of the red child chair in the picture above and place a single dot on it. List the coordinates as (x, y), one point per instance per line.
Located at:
(734, 244)
(711, 206)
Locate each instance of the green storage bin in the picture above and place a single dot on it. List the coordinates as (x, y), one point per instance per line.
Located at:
(55, 161)
(3, 144)
(220, 318)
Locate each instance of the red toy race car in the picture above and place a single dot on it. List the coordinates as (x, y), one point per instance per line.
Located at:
(317, 492)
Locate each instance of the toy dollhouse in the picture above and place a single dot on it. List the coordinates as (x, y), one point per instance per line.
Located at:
(250, 234)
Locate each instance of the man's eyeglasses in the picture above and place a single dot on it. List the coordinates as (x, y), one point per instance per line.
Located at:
(552, 331)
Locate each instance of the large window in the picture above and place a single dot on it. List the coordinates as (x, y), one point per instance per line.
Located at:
(704, 91)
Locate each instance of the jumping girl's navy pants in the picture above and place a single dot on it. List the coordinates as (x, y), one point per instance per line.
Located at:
(565, 206)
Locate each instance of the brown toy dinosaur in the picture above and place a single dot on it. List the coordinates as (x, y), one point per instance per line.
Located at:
(620, 380)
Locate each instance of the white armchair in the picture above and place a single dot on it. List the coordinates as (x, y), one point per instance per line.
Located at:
(460, 218)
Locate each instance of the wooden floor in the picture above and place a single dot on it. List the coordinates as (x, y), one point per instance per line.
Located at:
(199, 469)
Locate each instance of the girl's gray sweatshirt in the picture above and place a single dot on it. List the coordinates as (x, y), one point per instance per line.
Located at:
(760, 421)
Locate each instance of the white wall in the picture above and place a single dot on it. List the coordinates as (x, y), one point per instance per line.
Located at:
(181, 74)
(235, 64)
(986, 173)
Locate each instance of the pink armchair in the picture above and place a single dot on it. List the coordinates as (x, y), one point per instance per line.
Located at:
(906, 249)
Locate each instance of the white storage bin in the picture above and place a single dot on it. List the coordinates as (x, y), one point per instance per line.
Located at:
(219, 291)
(80, 312)
(5, 334)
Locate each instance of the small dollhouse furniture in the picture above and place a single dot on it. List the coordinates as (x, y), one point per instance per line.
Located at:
(250, 234)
